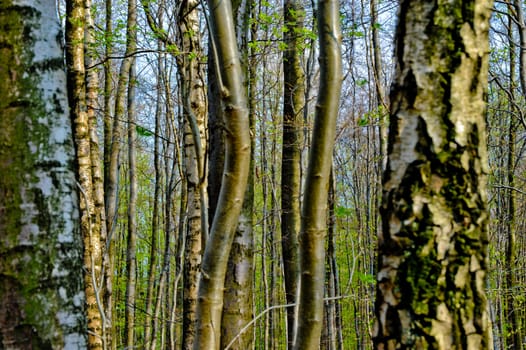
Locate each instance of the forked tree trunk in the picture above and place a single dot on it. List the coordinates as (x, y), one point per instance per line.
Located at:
(234, 181)
(432, 250)
(41, 287)
(314, 209)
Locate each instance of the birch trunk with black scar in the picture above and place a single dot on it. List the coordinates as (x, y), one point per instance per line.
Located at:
(41, 248)
(193, 95)
(432, 249)
(314, 209)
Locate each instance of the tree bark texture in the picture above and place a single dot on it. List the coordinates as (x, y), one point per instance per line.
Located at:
(314, 210)
(234, 180)
(193, 94)
(41, 287)
(432, 248)
(88, 168)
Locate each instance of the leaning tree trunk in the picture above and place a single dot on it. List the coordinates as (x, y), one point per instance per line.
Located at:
(432, 250)
(41, 287)
(238, 306)
(314, 210)
(234, 181)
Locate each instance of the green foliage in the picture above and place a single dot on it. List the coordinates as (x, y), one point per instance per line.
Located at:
(142, 131)
(366, 278)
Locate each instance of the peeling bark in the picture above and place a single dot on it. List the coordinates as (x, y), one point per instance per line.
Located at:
(432, 250)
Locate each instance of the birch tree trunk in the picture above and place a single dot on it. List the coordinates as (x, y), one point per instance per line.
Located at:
(193, 94)
(41, 287)
(82, 99)
(314, 210)
(432, 249)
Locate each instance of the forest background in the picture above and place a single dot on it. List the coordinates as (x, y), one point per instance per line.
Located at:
(144, 80)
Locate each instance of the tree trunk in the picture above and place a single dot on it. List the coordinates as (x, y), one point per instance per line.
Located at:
(41, 287)
(239, 281)
(109, 249)
(293, 103)
(89, 220)
(432, 249)
(193, 94)
(154, 251)
(234, 181)
(314, 210)
(131, 250)
(513, 334)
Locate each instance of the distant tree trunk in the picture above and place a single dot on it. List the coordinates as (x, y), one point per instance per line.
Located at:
(107, 119)
(519, 10)
(513, 334)
(111, 174)
(171, 165)
(234, 181)
(293, 103)
(314, 210)
(112, 155)
(432, 249)
(154, 251)
(131, 249)
(332, 331)
(41, 287)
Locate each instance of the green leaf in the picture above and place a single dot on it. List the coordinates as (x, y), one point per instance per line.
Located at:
(364, 121)
(361, 82)
(141, 131)
(343, 211)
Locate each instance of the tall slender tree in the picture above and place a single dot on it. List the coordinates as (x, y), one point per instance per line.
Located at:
(432, 249)
(314, 207)
(238, 295)
(293, 103)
